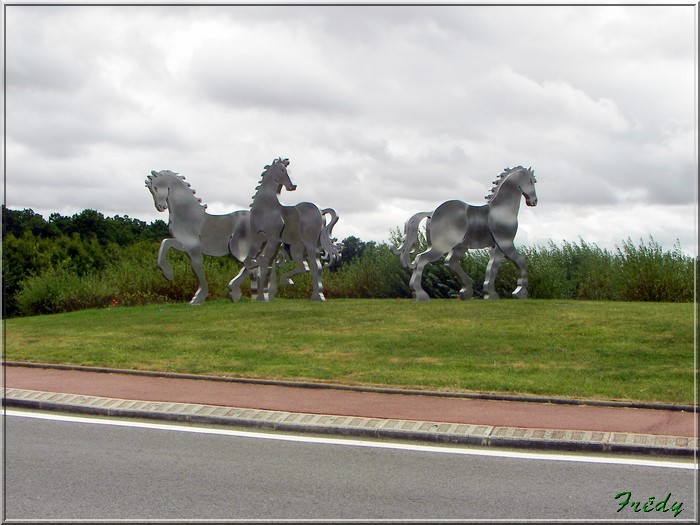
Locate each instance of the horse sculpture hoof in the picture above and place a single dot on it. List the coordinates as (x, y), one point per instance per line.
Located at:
(520, 293)
(235, 293)
(466, 294)
(491, 296)
(168, 273)
(422, 297)
(318, 297)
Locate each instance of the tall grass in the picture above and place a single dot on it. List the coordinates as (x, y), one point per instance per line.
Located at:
(131, 279)
(633, 272)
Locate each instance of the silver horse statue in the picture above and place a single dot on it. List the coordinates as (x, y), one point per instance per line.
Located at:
(193, 230)
(455, 226)
(302, 227)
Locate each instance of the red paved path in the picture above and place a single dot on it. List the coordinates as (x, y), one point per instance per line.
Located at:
(350, 403)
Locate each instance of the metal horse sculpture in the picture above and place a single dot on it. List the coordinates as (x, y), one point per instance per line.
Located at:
(193, 230)
(456, 226)
(302, 227)
(326, 247)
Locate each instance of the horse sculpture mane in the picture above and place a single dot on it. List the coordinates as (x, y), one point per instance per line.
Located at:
(177, 176)
(501, 178)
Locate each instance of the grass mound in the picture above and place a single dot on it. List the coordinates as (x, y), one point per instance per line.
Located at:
(583, 349)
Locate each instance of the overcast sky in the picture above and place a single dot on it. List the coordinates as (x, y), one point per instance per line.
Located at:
(382, 111)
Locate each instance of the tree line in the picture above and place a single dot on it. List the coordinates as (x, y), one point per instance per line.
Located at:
(87, 224)
(87, 260)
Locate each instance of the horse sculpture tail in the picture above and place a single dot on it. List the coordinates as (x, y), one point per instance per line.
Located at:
(410, 238)
(332, 251)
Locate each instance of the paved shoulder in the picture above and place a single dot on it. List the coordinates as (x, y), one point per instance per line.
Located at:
(329, 410)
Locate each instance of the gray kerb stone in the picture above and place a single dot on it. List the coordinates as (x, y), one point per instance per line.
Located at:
(435, 431)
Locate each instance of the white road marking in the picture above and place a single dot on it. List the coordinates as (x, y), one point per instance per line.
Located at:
(578, 458)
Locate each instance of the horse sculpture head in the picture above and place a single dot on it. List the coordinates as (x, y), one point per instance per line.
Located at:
(162, 185)
(522, 179)
(277, 174)
(158, 182)
(526, 183)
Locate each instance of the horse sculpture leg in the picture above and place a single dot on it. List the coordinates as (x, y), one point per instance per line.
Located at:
(249, 266)
(271, 285)
(195, 256)
(300, 266)
(196, 262)
(514, 255)
(491, 271)
(234, 285)
(254, 278)
(163, 263)
(453, 263)
(422, 259)
(316, 271)
(272, 281)
(265, 265)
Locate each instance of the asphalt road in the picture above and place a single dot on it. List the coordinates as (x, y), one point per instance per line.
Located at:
(96, 469)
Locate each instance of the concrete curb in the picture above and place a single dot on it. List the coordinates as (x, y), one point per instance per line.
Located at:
(431, 431)
(356, 388)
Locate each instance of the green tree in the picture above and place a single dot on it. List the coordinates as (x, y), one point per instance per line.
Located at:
(16, 222)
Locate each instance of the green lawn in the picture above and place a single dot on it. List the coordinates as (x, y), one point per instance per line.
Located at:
(600, 350)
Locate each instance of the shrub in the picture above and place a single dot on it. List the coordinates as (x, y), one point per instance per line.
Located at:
(63, 291)
(649, 274)
(377, 273)
(43, 275)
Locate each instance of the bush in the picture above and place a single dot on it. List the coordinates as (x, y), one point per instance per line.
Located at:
(30, 256)
(572, 272)
(377, 273)
(649, 274)
(132, 278)
(63, 291)
(43, 275)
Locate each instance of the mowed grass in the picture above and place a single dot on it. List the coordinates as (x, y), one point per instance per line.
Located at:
(576, 349)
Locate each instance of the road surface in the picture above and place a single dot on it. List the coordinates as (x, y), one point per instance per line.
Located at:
(64, 468)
